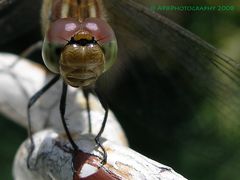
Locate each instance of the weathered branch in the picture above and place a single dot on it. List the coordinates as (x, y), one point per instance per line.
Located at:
(52, 157)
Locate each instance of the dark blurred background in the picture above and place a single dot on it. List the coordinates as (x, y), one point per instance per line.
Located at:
(195, 149)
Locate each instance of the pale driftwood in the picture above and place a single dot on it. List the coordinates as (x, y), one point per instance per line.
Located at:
(52, 158)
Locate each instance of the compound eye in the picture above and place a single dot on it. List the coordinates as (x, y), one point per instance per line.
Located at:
(62, 30)
(55, 39)
(100, 29)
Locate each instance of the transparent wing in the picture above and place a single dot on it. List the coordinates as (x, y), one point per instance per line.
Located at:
(164, 76)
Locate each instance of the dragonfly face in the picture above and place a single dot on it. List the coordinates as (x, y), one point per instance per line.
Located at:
(80, 50)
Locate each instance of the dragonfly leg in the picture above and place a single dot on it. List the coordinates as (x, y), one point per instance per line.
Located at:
(24, 54)
(86, 95)
(32, 100)
(27, 52)
(97, 138)
(62, 112)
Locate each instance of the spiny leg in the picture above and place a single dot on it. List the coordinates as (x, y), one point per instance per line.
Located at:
(86, 95)
(97, 138)
(32, 100)
(62, 112)
(27, 52)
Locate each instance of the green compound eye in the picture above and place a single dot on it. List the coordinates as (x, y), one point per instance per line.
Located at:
(110, 52)
(51, 54)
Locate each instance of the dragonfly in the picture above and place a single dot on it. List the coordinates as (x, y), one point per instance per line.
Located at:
(163, 72)
(79, 45)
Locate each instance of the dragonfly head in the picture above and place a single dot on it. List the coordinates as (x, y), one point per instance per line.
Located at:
(79, 51)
